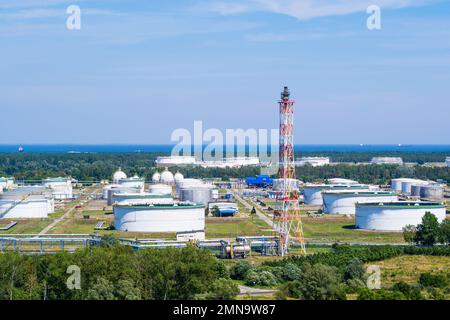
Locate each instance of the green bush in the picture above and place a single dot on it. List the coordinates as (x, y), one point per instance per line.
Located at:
(317, 282)
(239, 270)
(260, 278)
(223, 289)
(434, 280)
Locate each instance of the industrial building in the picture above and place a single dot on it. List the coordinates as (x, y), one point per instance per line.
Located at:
(343, 202)
(313, 192)
(176, 217)
(231, 162)
(175, 161)
(447, 161)
(313, 161)
(260, 181)
(6, 183)
(110, 190)
(387, 160)
(224, 208)
(394, 216)
(61, 187)
(26, 202)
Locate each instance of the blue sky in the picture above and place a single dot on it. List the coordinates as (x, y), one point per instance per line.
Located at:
(137, 70)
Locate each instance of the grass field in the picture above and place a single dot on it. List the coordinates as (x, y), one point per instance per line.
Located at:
(232, 227)
(341, 228)
(409, 267)
(25, 226)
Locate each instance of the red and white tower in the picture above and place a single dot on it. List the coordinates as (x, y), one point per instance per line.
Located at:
(287, 221)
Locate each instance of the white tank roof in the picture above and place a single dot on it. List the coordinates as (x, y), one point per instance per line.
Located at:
(178, 177)
(167, 177)
(156, 177)
(118, 175)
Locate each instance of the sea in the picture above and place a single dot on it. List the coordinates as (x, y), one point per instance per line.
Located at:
(167, 148)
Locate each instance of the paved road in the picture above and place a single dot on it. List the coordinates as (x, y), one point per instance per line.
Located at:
(65, 215)
(244, 290)
(261, 215)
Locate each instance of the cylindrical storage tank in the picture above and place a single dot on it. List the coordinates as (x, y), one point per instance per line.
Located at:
(159, 218)
(408, 183)
(432, 191)
(278, 184)
(341, 181)
(415, 190)
(396, 184)
(142, 198)
(343, 202)
(160, 189)
(120, 189)
(312, 193)
(197, 194)
(394, 216)
(187, 183)
(24, 209)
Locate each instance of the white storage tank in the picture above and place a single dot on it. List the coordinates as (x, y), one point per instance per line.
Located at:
(278, 184)
(24, 209)
(408, 183)
(432, 191)
(343, 202)
(149, 198)
(160, 189)
(396, 184)
(178, 217)
(118, 175)
(341, 181)
(120, 189)
(156, 177)
(133, 182)
(312, 193)
(167, 177)
(178, 177)
(394, 216)
(198, 194)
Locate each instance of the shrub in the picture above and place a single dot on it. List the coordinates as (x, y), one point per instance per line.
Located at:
(354, 270)
(223, 289)
(318, 282)
(433, 280)
(260, 278)
(239, 270)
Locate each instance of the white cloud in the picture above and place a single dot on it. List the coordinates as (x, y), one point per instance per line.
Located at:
(309, 9)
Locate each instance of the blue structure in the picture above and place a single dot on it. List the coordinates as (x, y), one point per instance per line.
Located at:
(261, 181)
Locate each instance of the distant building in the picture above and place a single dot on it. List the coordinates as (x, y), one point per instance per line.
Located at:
(313, 161)
(447, 161)
(387, 160)
(261, 181)
(175, 161)
(231, 162)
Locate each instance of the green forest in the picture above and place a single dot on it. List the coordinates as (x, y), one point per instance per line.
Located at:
(97, 166)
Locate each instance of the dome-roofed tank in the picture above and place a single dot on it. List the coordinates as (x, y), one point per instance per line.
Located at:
(167, 177)
(178, 177)
(156, 177)
(119, 175)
